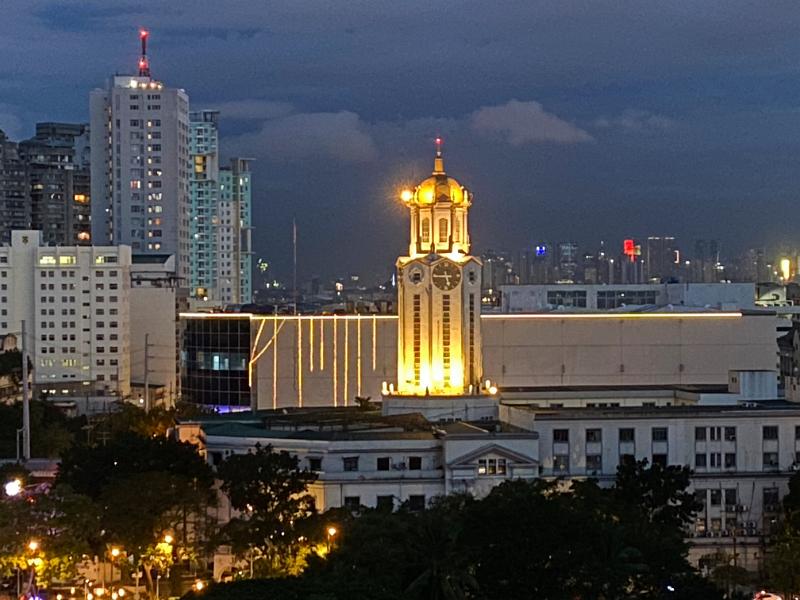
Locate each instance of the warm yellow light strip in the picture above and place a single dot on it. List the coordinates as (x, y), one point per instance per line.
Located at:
(258, 333)
(300, 364)
(322, 345)
(719, 315)
(275, 365)
(358, 357)
(335, 365)
(374, 344)
(311, 346)
(258, 355)
(346, 362)
(269, 343)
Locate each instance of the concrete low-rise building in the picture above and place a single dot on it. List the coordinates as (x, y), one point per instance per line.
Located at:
(742, 454)
(296, 361)
(547, 297)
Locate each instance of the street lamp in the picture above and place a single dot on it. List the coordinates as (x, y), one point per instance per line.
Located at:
(13, 487)
(199, 585)
(168, 538)
(33, 545)
(331, 531)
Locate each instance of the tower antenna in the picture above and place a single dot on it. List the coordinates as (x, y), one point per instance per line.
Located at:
(144, 65)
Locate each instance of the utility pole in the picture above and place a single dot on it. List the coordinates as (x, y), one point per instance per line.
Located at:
(146, 372)
(26, 406)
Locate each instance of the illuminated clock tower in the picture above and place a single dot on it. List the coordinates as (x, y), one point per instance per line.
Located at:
(439, 292)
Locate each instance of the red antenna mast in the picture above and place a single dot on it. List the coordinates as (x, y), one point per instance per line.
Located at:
(438, 142)
(144, 66)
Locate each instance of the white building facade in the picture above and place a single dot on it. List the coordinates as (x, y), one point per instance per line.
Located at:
(140, 167)
(75, 304)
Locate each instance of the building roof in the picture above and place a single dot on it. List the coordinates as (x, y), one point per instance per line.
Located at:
(748, 410)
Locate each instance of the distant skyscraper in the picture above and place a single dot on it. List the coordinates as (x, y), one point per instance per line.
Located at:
(58, 187)
(235, 262)
(220, 201)
(568, 262)
(15, 210)
(140, 165)
(203, 204)
(660, 255)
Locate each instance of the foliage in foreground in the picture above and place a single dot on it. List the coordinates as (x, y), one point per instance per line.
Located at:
(524, 540)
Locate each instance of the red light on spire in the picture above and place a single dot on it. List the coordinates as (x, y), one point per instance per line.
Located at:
(143, 33)
(144, 66)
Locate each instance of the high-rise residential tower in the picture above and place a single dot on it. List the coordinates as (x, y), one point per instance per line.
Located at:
(203, 204)
(57, 181)
(140, 165)
(233, 234)
(220, 201)
(15, 210)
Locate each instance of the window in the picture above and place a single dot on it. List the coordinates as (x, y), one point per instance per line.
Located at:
(384, 463)
(731, 498)
(352, 503)
(699, 434)
(385, 503)
(730, 434)
(660, 459)
(575, 298)
(561, 435)
(416, 502)
(561, 463)
(443, 230)
(730, 460)
(492, 466)
(716, 460)
(659, 434)
(770, 461)
(700, 497)
(716, 497)
(314, 463)
(770, 432)
(626, 435)
(797, 432)
(594, 463)
(414, 463)
(771, 499)
(714, 433)
(426, 230)
(594, 436)
(350, 463)
(700, 461)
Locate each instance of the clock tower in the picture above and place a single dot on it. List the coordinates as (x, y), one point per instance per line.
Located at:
(439, 292)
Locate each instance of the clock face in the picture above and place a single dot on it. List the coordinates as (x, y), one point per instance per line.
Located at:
(446, 275)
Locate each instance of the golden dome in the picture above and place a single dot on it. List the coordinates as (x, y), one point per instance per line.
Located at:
(437, 188)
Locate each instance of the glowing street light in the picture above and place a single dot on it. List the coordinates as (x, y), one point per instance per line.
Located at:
(168, 539)
(199, 585)
(332, 531)
(115, 552)
(13, 487)
(33, 545)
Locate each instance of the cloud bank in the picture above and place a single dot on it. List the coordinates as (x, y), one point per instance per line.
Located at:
(521, 123)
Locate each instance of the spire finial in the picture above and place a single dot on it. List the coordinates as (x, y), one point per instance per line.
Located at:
(438, 161)
(144, 65)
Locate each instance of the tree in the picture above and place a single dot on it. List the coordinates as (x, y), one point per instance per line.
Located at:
(270, 492)
(145, 487)
(47, 533)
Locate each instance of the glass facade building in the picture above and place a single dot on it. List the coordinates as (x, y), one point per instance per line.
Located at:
(214, 357)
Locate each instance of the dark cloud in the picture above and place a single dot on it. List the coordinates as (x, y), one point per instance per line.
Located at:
(521, 123)
(691, 107)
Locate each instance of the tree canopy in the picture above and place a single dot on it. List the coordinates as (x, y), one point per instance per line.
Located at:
(539, 539)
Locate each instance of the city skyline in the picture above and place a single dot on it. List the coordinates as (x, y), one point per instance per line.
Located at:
(613, 124)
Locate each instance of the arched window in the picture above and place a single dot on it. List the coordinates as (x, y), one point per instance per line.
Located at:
(457, 230)
(426, 230)
(442, 230)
